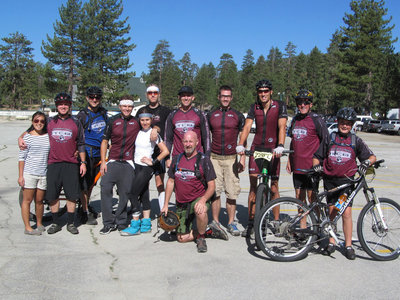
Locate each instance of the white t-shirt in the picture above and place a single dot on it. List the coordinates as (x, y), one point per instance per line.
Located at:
(144, 147)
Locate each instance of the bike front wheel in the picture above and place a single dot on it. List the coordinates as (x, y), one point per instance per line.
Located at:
(263, 196)
(378, 242)
(286, 237)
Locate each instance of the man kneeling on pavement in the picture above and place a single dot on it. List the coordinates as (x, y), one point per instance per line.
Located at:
(193, 177)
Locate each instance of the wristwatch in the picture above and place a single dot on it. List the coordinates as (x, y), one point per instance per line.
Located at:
(84, 162)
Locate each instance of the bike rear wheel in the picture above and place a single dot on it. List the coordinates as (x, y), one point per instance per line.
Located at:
(263, 196)
(379, 243)
(284, 239)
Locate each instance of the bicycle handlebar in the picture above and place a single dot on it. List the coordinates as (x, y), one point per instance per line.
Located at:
(251, 152)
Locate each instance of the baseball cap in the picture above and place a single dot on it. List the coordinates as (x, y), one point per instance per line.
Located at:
(186, 89)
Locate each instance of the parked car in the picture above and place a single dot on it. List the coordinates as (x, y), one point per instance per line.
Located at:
(391, 126)
(372, 126)
(360, 121)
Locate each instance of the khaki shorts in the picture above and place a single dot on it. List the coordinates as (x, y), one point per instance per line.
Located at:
(185, 212)
(35, 182)
(227, 180)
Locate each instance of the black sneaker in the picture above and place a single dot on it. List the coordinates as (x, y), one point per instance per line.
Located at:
(53, 228)
(201, 245)
(330, 249)
(72, 229)
(350, 253)
(121, 227)
(84, 217)
(91, 219)
(107, 229)
(217, 231)
(249, 231)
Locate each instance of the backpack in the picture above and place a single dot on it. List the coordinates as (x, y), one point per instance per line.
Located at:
(332, 141)
(102, 111)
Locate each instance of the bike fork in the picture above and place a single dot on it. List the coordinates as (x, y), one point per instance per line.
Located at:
(378, 208)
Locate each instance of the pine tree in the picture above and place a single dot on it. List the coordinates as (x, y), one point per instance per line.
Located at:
(104, 49)
(227, 73)
(18, 67)
(161, 58)
(366, 40)
(290, 62)
(205, 86)
(63, 48)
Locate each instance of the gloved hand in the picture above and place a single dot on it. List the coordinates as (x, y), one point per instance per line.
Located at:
(278, 150)
(318, 168)
(240, 148)
(364, 166)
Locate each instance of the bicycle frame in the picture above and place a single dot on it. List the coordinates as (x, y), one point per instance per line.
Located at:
(360, 183)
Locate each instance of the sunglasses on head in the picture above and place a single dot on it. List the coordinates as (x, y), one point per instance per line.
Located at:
(152, 93)
(38, 121)
(305, 102)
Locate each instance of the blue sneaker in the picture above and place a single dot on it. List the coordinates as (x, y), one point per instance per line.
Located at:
(145, 226)
(232, 229)
(133, 229)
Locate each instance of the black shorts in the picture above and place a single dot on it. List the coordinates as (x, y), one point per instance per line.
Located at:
(160, 168)
(305, 182)
(92, 169)
(332, 182)
(62, 175)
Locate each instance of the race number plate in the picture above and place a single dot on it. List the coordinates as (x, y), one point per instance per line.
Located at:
(265, 155)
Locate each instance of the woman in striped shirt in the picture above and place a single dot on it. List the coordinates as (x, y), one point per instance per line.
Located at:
(32, 168)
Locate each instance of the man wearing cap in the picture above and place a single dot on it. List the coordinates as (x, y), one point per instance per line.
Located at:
(121, 130)
(186, 118)
(307, 131)
(93, 119)
(66, 137)
(160, 114)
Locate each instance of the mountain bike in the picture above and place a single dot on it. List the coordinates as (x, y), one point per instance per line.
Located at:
(263, 160)
(301, 226)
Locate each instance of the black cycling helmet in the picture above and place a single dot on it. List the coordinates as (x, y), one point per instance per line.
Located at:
(62, 97)
(347, 113)
(94, 91)
(264, 83)
(304, 94)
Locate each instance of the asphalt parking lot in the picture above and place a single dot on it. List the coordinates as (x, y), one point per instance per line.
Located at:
(92, 266)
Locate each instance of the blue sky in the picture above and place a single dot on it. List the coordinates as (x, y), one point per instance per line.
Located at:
(206, 29)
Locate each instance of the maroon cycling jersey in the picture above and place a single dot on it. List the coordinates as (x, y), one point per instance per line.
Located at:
(179, 122)
(225, 125)
(66, 136)
(307, 133)
(122, 132)
(339, 155)
(267, 124)
(187, 186)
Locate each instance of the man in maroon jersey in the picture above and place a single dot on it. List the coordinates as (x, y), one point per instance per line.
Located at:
(307, 131)
(226, 123)
(270, 117)
(192, 177)
(66, 136)
(121, 130)
(186, 118)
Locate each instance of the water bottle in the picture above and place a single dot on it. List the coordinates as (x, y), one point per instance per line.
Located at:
(342, 199)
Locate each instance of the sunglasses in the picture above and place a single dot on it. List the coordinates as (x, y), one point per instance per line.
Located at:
(39, 121)
(263, 91)
(94, 97)
(301, 102)
(152, 93)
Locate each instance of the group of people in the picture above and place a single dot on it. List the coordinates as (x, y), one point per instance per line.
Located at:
(202, 153)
